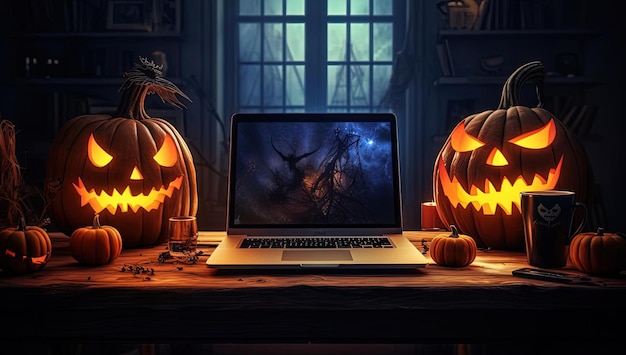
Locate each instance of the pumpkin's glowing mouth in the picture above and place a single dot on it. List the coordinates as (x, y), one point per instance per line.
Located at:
(125, 200)
(488, 197)
(36, 260)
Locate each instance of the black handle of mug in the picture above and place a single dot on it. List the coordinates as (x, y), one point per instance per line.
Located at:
(582, 222)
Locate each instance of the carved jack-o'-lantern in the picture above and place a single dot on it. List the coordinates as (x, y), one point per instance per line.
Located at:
(24, 249)
(490, 157)
(134, 170)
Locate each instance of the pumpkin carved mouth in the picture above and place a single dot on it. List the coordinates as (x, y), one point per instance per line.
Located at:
(125, 200)
(36, 260)
(489, 197)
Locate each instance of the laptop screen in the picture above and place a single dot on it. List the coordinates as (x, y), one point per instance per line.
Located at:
(301, 171)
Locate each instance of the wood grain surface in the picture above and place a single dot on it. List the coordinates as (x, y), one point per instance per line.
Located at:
(174, 300)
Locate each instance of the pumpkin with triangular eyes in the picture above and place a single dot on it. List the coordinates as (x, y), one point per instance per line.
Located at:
(24, 249)
(491, 157)
(134, 170)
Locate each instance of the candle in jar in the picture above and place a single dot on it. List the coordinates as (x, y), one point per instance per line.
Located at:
(430, 217)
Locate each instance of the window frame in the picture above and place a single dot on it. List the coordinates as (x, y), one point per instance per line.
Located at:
(315, 75)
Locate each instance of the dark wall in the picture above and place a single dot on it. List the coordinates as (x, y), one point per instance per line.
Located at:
(604, 59)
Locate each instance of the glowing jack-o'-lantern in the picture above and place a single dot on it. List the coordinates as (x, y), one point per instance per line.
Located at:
(135, 171)
(24, 249)
(492, 156)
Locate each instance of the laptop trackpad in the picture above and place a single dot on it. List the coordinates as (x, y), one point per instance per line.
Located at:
(317, 255)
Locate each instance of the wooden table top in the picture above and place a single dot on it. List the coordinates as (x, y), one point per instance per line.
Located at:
(108, 301)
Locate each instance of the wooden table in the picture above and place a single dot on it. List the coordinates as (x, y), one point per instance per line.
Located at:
(191, 302)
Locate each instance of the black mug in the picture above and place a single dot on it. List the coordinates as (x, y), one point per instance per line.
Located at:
(548, 217)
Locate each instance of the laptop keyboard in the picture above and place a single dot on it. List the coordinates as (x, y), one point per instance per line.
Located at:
(317, 242)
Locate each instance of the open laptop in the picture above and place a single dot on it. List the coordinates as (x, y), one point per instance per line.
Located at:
(314, 190)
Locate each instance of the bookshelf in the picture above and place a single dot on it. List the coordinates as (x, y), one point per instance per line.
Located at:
(476, 58)
(67, 58)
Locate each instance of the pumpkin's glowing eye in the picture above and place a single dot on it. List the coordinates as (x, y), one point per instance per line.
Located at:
(463, 142)
(537, 139)
(97, 155)
(168, 155)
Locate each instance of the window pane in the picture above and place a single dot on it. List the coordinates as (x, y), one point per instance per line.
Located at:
(382, 73)
(273, 7)
(295, 85)
(273, 49)
(360, 40)
(295, 7)
(249, 42)
(383, 7)
(249, 7)
(336, 46)
(273, 85)
(383, 46)
(336, 7)
(249, 89)
(359, 7)
(359, 81)
(295, 42)
(337, 86)
(273, 56)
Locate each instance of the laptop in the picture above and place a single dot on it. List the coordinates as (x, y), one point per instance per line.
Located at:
(314, 190)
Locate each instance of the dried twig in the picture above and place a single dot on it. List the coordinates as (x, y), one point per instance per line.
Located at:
(10, 177)
(14, 194)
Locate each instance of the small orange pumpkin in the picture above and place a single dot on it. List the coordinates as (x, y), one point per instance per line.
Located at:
(96, 245)
(456, 250)
(24, 249)
(598, 253)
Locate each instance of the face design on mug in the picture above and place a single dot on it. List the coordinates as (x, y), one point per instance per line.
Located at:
(549, 214)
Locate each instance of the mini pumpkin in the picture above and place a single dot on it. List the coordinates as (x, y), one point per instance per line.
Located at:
(455, 250)
(24, 249)
(491, 157)
(598, 253)
(134, 170)
(96, 244)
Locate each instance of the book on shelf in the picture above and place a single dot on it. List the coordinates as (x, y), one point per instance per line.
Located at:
(590, 117)
(457, 110)
(60, 15)
(580, 118)
(449, 56)
(528, 14)
(483, 7)
(443, 59)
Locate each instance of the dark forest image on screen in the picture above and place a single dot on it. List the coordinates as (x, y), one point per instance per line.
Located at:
(307, 173)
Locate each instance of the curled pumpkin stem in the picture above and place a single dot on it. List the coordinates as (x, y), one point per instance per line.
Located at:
(143, 79)
(529, 72)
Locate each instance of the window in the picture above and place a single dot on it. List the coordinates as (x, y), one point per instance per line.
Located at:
(313, 55)
(324, 56)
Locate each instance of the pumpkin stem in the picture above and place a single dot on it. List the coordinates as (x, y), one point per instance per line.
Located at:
(532, 71)
(132, 103)
(143, 79)
(22, 224)
(455, 231)
(600, 231)
(96, 221)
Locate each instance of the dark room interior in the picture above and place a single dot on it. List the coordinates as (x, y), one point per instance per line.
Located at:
(77, 58)
(432, 63)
